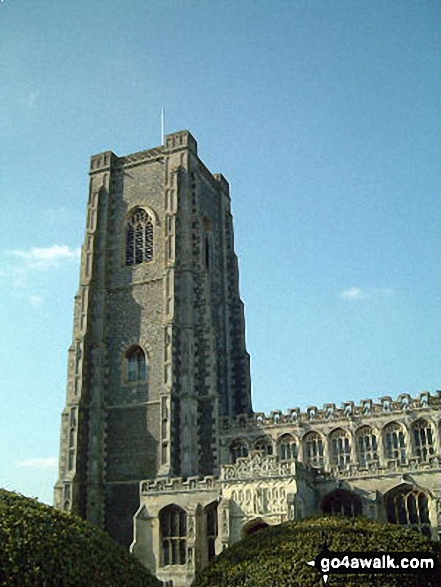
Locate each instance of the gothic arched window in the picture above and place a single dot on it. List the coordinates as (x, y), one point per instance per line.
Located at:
(367, 445)
(238, 449)
(313, 449)
(342, 503)
(265, 445)
(340, 447)
(408, 506)
(423, 439)
(136, 365)
(288, 448)
(173, 530)
(395, 442)
(139, 238)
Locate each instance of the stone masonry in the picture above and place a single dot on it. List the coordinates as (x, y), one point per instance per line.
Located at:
(159, 443)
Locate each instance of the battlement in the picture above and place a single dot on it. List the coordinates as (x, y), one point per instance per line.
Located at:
(404, 404)
(180, 140)
(173, 142)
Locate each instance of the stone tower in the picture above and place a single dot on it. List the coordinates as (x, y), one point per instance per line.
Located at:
(158, 354)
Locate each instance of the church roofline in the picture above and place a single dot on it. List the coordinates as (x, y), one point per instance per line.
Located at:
(330, 412)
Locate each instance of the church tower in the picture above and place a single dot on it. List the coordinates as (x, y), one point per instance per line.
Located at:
(158, 354)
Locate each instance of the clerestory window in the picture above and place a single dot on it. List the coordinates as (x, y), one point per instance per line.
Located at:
(139, 238)
(288, 448)
(367, 445)
(313, 449)
(238, 449)
(395, 442)
(340, 448)
(264, 445)
(423, 439)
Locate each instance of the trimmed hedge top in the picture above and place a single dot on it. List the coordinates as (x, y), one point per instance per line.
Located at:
(42, 547)
(277, 555)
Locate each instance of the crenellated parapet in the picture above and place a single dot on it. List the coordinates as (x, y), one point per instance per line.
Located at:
(366, 409)
(384, 436)
(173, 142)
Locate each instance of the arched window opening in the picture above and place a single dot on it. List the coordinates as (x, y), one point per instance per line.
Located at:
(313, 449)
(264, 445)
(395, 442)
(367, 445)
(288, 448)
(254, 526)
(212, 529)
(139, 238)
(340, 448)
(207, 251)
(238, 449)
(424, 439)
(136, 365)
(173, 528)
(207, 244)
(408, 506)
(342, 503)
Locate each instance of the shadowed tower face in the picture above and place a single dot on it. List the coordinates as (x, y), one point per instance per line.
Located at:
(158, 353)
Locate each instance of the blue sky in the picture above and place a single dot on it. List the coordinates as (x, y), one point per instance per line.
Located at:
(324, 117)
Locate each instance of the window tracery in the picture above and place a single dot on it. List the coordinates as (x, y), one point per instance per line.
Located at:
(265, 445)
(313, 449)
(423, 439)
(136, 365)
(139, 238)
(342, 503)
(395, 442)
(367, 445)
(340, 447)
(173, 529)
(408, 506)
(288, 448)
(238, 449)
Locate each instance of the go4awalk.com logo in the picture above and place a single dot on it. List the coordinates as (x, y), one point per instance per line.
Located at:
(327, 562)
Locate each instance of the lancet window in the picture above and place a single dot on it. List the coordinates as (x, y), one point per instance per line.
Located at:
(207, 244)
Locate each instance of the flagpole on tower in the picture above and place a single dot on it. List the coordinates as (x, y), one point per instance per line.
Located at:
(162, 125)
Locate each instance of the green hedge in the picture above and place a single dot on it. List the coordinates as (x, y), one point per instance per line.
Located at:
(276, 556)
(42, 547)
